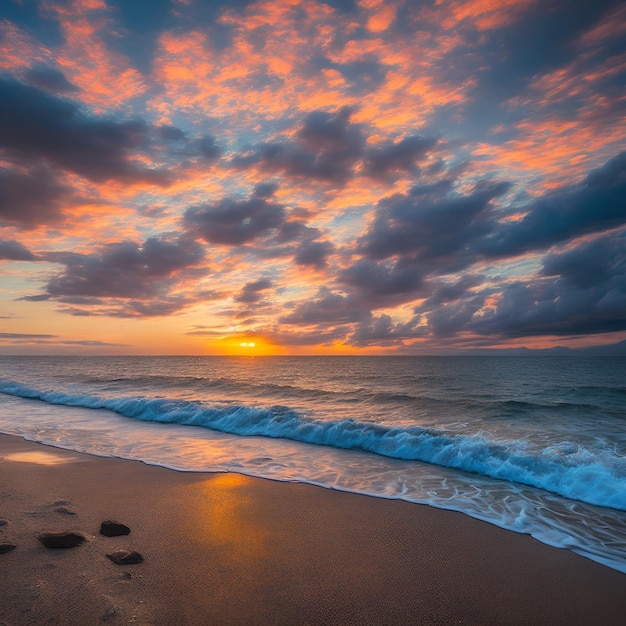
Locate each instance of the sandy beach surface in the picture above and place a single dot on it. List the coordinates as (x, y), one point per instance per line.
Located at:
(228, 549)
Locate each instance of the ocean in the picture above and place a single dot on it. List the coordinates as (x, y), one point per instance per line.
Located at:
(535, 445)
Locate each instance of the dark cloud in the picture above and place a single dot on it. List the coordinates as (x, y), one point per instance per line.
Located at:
(235, 222)
(450, 318)
(32, 197)
(403, 156)
(441, 231)
(209, 149)
(142, 273)
(128, 308)
(429, 225)
(595, 205)
(327, 147)
(374, 331)
(433, 231)
(199, 330)
(314, 254)
(296, 231)
(18, 338)
(91, 342)
(4, 336)
(444, 292)
(157, 306)
(36, 125)
(551, 308)
(323, 335)
(305, 243)
(170, 133)
(591, 265)
(15, 251)
(383, 283)
(450, 305)
(581, 290)
(251, 293)
(49, 79)
(327, 308)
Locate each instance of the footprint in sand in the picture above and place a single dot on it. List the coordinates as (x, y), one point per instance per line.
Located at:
(5, 547)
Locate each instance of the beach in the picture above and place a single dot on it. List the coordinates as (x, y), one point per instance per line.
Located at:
(228, 549)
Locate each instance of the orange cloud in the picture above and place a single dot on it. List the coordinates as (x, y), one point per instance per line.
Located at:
(381, 14)
(18, 49)
(104, 76)
(484, 14)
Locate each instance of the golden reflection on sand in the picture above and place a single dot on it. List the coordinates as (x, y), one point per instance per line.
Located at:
(40, 458)
(227, 519)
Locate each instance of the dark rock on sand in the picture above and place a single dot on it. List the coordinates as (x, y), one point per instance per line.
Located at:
(125, 557)
(6, 547)
(113, 529)
(61, 540)
(3, 522)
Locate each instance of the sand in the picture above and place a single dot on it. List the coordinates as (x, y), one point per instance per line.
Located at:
(228, 549)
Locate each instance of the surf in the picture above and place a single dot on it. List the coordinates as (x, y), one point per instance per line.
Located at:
(565, 468)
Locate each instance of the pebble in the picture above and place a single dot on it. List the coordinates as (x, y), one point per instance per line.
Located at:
(61, 540)
(113, 529)
(125, 557)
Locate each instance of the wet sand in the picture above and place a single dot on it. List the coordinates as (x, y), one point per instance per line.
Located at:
(227, 549)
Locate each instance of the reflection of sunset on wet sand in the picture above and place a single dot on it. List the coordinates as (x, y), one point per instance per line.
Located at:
(39, 458)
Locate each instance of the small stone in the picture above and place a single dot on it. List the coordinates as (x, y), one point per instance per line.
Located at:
(61, 540)
(125, 557)
(3, 522)
(6, 547)
(113, 529)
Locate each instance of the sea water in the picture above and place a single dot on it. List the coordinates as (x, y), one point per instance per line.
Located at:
(532, 444)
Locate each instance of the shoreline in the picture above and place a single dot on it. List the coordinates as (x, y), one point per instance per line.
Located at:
(230, 549)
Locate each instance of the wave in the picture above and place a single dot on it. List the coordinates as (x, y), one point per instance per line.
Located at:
(575, 472)
(239, 387)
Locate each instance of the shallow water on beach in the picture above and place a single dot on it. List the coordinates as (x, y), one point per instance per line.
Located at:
(532, 444)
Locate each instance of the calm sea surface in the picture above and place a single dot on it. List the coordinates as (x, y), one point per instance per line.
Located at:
(533, 444)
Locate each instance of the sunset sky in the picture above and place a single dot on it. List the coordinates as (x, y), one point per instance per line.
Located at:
(309, 177)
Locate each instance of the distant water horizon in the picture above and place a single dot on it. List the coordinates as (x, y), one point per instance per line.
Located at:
(617, 349)
(534, 443)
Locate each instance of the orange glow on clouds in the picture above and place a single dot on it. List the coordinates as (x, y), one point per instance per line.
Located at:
(297, 178)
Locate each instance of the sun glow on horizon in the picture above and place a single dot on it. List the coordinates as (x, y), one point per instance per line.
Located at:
(244, 345)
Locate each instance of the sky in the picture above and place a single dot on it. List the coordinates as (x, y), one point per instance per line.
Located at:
(311, 177)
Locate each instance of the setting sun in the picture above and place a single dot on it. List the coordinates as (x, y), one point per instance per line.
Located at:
(244, 344)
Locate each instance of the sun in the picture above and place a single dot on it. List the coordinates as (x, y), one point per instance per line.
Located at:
(245, 344)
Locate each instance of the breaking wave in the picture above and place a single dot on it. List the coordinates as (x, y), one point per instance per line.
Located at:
(594, 476)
